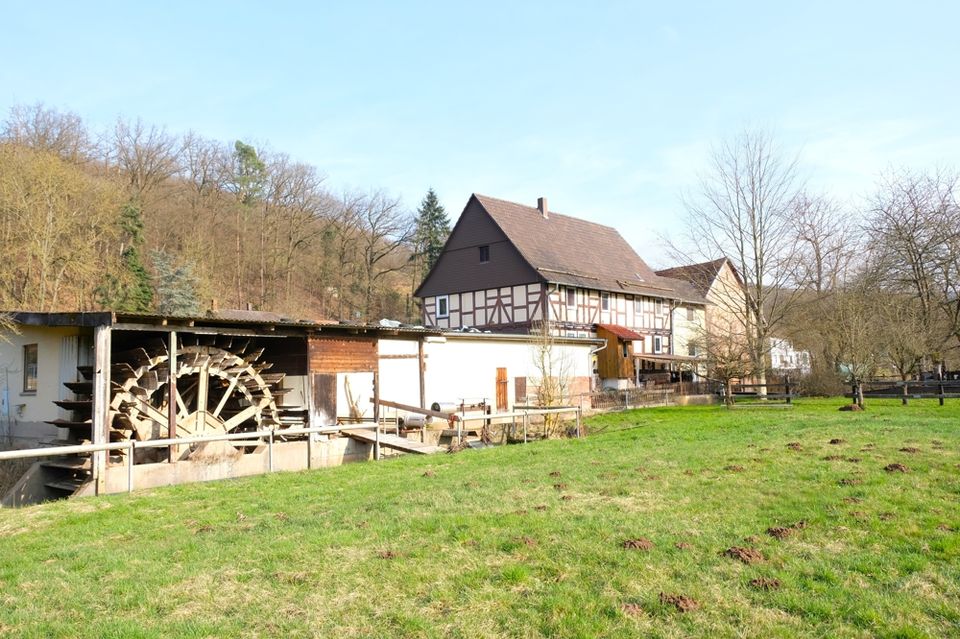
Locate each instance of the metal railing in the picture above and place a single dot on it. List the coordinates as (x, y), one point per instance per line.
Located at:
(131, 445)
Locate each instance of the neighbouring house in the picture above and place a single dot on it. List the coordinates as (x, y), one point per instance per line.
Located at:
(509, 267)
(719, 283)
(78, 378)
(787, 360)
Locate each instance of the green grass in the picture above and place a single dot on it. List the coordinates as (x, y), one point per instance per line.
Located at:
(482, 543)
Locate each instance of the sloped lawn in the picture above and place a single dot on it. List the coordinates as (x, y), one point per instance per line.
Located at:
(669, 522)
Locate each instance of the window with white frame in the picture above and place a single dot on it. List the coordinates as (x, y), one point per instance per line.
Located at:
(657, 344)
(605, 301)
(443, 306)
(638, 305)
(30, 360)
(691, 314)
(658, 306)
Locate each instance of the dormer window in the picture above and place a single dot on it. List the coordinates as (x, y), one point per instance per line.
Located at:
(484, 254)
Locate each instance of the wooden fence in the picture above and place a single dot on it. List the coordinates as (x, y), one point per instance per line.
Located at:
(940, 389)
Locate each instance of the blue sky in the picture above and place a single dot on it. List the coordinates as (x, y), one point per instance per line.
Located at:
(609, 109)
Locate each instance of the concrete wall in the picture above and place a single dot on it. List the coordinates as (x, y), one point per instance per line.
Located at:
(287, 456)
(22, 413)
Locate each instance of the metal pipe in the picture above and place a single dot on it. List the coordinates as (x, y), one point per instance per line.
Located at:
(270, 451)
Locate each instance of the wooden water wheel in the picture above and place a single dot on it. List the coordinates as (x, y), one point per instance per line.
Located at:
(221, 387)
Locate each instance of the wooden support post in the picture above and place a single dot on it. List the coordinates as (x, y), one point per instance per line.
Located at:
(270, 451)
(101, 404)
(376, 414)
(174, 450)
(786, 381)
(422, 368)
(526, 421)
(579, 415)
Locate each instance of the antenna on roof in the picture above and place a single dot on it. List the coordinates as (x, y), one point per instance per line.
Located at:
(542, 207)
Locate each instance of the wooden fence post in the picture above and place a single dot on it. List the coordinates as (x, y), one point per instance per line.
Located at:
(786, 381)
(940, 383)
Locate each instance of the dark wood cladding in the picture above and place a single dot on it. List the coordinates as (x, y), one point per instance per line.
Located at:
(342, 354)
(459, 268)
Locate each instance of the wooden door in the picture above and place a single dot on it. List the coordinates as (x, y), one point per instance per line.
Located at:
(501, 389)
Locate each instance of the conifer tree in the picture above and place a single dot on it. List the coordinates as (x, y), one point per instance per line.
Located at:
(432, 230)
(132, 290)
(176, 286)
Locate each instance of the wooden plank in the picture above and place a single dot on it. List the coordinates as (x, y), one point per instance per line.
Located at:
(392, 441)
(342, 354)
(421, 370)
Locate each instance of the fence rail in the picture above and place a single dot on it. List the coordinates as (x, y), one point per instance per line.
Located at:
(940, 389)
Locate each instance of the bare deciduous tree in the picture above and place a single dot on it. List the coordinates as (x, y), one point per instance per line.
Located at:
(744, 210)
(44, 129)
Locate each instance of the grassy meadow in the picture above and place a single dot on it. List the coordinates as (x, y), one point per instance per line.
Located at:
(668, 522)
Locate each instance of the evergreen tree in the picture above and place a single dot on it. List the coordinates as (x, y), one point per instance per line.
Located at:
(131, 291)
(176, 286)
(432, 229)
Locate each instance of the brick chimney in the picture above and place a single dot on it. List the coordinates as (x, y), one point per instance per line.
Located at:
(542, 207)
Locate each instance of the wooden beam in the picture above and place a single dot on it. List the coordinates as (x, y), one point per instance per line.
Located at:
(101, 404)
(172, 395)
(447, 417)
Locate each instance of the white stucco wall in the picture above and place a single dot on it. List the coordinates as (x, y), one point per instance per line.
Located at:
(22, 413)
(464, 367)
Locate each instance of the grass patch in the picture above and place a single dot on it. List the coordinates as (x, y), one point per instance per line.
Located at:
(530, 541)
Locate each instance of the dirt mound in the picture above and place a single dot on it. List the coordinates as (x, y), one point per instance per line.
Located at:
(833, 458)
(640, 543)
(797, 446)
(752, 539)
(852, 500)
(858, 514)
(560, 486)
(946, 528)
(850, 481)
(782, 532)
(853, 460)
(910, 449)
(566, 497)
(682, 545)
(853, 408)
(896, 468)
(428, 473)
(765, 583)
(682, 603)
(387, 554)
(633, 609)
(540, 508)
(837, 440)
(886, 516)
(555, 473)
(746, 555)
(734, 468)
(529, 542)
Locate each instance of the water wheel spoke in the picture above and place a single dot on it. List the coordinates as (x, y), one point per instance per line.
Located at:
(240, 417)
(226, 396)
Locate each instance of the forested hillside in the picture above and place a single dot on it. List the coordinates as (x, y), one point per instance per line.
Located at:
(135, 218)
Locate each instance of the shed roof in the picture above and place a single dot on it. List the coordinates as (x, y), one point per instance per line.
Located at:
(622, 332)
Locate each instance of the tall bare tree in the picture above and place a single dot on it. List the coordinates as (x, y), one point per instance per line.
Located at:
(44, 129)
(744, 210)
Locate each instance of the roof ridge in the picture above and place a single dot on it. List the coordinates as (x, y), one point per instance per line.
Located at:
(551, 212)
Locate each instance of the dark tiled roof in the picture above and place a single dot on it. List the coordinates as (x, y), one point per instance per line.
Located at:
(568, 250)
(699, 275)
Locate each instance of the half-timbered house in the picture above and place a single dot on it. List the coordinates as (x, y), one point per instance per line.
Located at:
(508, 267)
